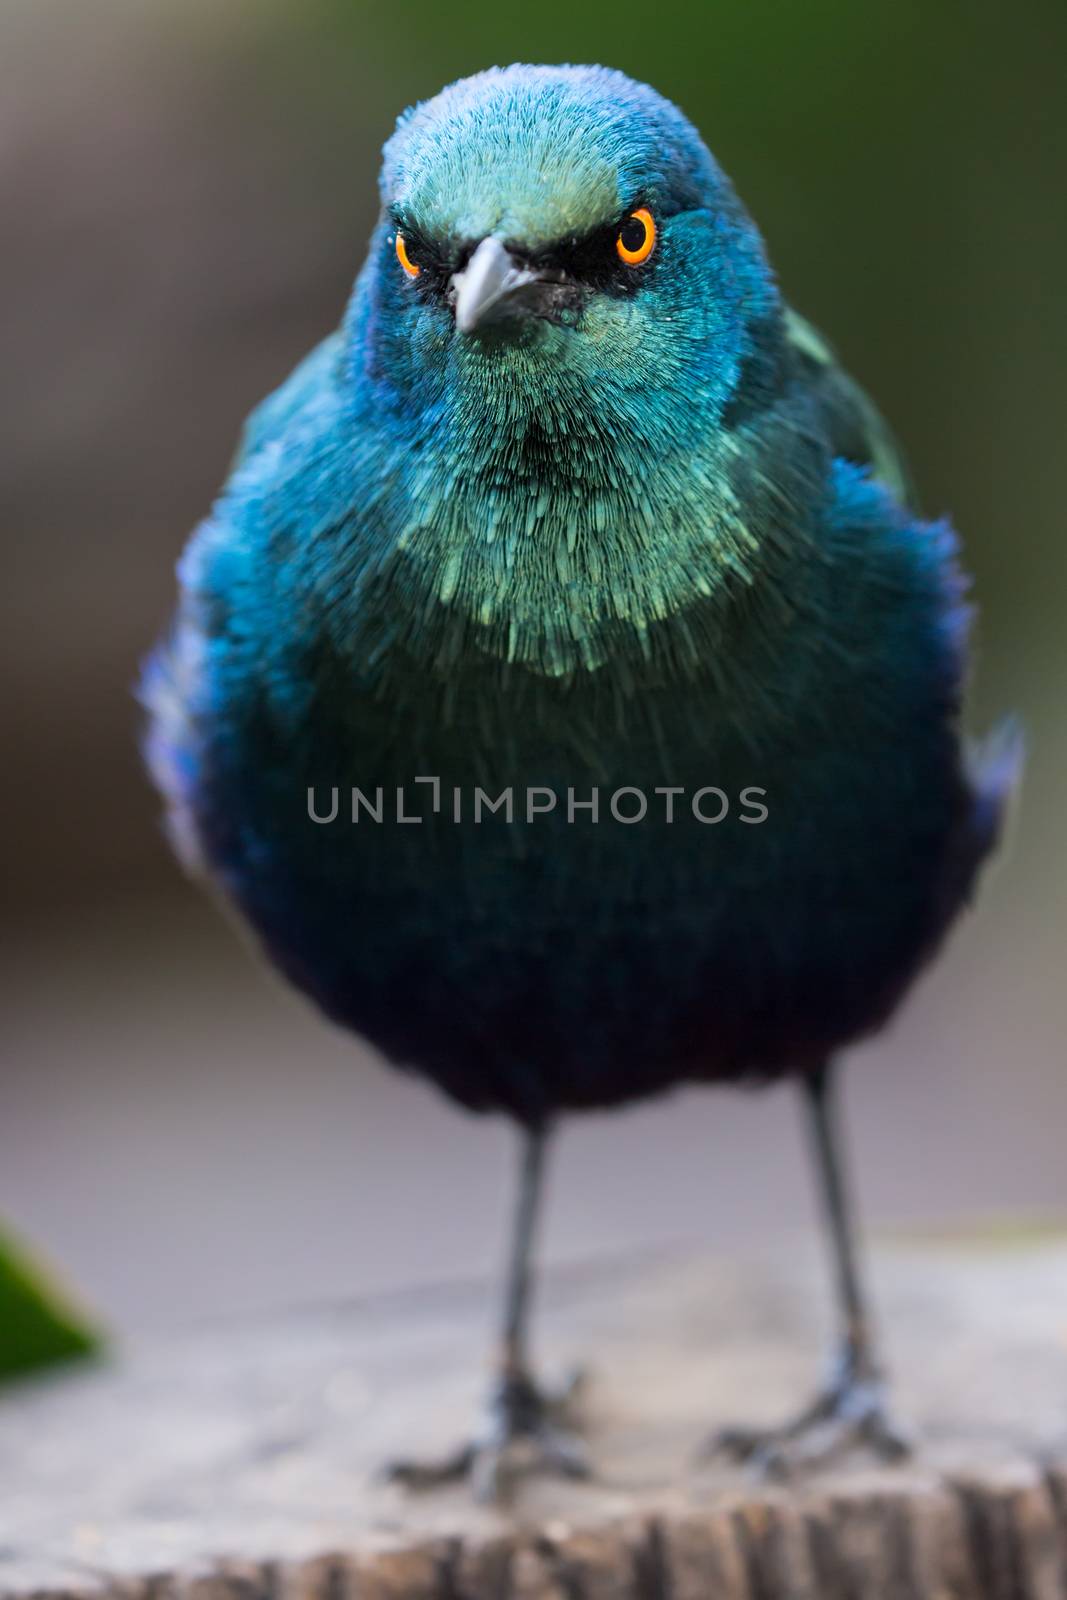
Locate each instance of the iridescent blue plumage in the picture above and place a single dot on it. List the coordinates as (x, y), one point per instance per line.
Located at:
(635, 529)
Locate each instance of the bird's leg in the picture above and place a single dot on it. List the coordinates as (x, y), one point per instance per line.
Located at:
(523, 1428)
(851, 1409)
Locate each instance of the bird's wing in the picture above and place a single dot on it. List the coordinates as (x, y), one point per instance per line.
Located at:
(855, 427)
(270, 418)
(856, 430)
(169, 682)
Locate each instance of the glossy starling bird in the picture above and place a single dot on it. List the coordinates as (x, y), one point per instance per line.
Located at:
(576, 522)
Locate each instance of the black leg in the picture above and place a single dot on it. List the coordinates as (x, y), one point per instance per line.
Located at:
(521, 1420)
(520, 1265)
(856, 1354)
(851, 1410)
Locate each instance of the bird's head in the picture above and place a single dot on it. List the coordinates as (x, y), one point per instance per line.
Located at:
(564, 311)
(549, 226)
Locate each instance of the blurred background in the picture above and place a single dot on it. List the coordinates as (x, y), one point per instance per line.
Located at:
(186, 188)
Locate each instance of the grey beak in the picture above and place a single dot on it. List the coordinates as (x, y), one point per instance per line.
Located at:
(489, 278)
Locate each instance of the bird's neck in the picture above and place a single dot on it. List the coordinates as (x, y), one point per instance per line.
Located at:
(558, 539)
(556, 515)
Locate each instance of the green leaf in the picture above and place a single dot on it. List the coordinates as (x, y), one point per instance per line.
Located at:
(38, 1327)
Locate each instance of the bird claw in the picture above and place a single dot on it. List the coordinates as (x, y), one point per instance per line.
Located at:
(850, 1414)
(524, 1432)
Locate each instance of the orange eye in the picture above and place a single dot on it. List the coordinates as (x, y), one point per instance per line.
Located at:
(636, 237)
(410, 267)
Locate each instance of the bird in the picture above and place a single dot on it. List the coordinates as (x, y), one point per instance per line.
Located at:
(565, 688)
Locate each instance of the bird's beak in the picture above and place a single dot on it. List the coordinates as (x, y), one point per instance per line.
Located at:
(487, 282)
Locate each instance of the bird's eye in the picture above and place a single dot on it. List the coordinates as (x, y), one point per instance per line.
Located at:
(412, 268)
(637, 236)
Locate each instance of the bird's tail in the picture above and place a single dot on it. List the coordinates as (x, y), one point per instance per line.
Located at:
(169, 740)
(994, 768)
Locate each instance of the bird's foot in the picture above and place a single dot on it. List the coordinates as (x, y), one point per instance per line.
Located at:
(525, 1430)
(850, 1413)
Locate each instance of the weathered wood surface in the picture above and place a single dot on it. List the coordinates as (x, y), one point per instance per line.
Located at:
(239, 1462)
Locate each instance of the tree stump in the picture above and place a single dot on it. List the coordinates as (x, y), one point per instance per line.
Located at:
(239, 1462)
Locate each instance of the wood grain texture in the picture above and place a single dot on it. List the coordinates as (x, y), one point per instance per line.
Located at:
(238, 1462)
